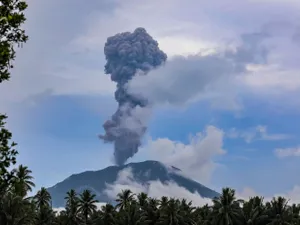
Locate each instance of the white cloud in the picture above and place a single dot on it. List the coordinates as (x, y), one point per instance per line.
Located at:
(246, 193)
(65, 81)
(202, 77)
(184, 80)
(58, 210)
(195, 31)
(264, 135)
(75, 41)
(294, 2)
(45, 63)
(292, 195)
(287, 152)
(197, 159)
(154, 189)
(184, 46)
(98, 204)
(163, 20)
(255, 134)
(271, 79)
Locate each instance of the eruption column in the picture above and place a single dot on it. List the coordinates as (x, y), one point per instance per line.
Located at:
(126, 54)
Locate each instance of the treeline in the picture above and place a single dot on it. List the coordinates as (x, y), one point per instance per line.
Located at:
(137, 209)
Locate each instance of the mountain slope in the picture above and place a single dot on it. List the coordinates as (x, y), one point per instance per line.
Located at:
(143, 172)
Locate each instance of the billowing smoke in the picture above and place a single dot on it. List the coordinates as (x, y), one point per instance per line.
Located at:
(128, 54)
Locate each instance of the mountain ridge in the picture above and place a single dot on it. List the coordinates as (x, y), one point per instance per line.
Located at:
(142, 172)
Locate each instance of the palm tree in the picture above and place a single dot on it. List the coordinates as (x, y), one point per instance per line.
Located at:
(171, 214)
(16, 210)
(72, 198)
(87, 204)
(82, 210)
(153, 203)
(42, 201)
(108, 215)
(278, 212)
(186, 206)
(131, 215)
(46, 216)
(142, 199)
(254, 211)
(61, 218)
(124, 199)
(72, 207)
(164, 201)
(226, 209)
(187, 209)
(151, 213)
(203, 215)
(42, 198)
(295, 210)
(23, 181)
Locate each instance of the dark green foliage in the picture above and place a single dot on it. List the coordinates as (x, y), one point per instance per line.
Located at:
(11, 33)
(139, 209)
(11, 19)
(7, 156)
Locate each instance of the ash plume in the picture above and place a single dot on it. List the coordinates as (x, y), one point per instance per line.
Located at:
(128, 54)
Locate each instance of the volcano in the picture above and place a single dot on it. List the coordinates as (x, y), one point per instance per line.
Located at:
(142, 172)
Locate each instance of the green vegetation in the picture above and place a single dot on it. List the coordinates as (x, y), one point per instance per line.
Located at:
(16, 208)
(131, 209)
(11, 19)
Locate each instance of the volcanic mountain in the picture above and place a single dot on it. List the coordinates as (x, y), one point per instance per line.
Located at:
(142, 172)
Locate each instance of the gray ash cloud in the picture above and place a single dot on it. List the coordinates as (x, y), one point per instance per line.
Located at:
(128, 54)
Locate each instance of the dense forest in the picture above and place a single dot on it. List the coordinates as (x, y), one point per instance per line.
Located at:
(131, 209)
(16, 182)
